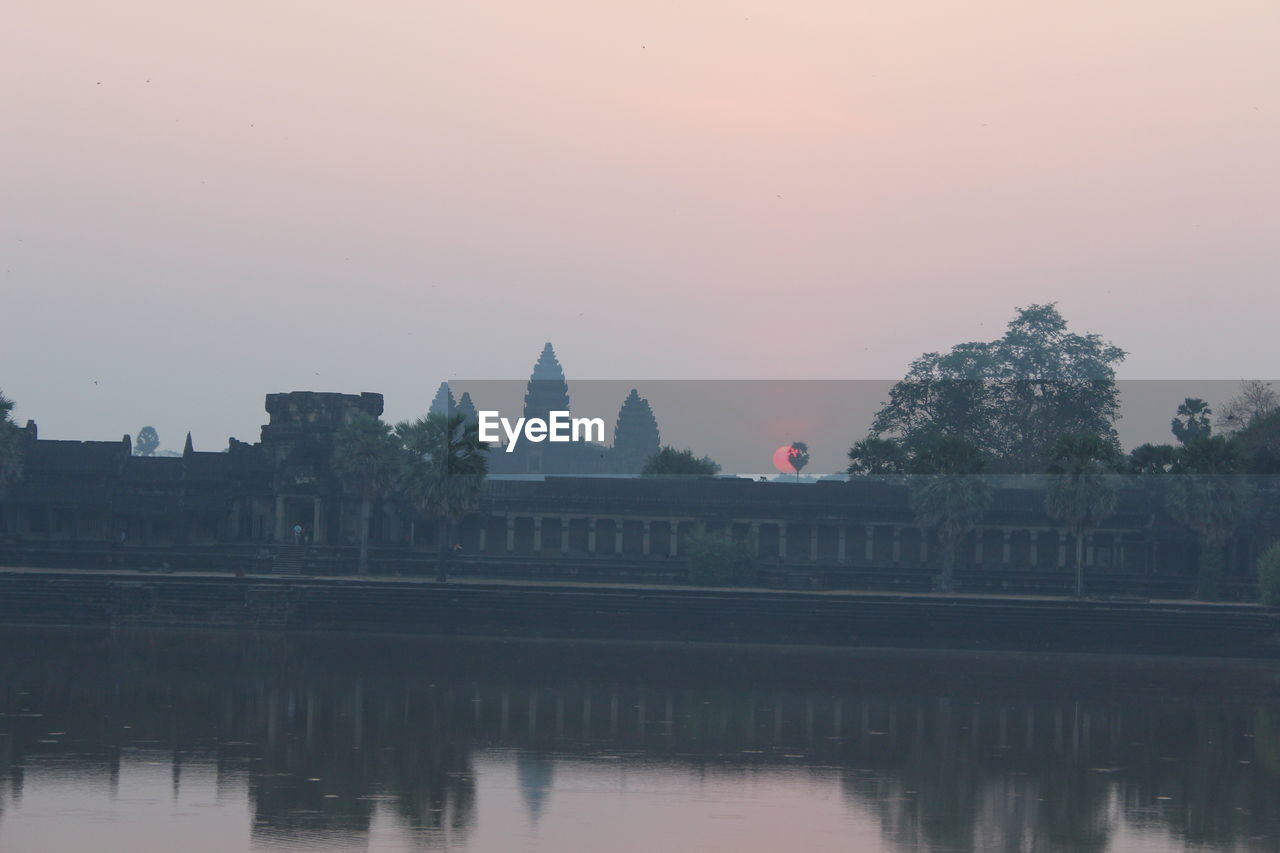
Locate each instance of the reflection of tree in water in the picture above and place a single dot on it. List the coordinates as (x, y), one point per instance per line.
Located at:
(329, 730)
(536, 774)
(431, 776)
(1040, 776)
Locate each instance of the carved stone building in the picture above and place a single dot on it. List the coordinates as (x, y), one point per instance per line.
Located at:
(208, 507)
(87, 491)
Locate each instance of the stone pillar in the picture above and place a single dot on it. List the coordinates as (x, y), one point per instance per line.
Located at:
(484, 531)
(1062, 550)
(755, 538)
(537, 534)
(897, 546)
(869, 549)
(646, 538)
(813, 543)
(1033, 553)
(1089, 557)
(591, 535)
(511, 534)
(675, 537)
(279, 518)
(564, 534)
(317, 523)
(1007, 555)
(840, 543)
(617, 537)
(782, 541)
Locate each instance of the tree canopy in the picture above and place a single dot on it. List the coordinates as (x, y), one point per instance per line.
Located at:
(1191, 421)
(1010, 398)
(445, 466)
(798, 456)
(671, 462)
(147, 442)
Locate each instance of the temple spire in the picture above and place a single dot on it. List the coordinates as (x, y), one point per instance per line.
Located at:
(547, 391)
(466, 408)
(635, 435)
(188, 449)
(443, 403)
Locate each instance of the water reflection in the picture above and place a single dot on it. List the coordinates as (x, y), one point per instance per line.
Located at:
(335, 743)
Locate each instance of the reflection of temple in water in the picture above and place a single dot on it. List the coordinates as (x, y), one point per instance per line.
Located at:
(946, 752)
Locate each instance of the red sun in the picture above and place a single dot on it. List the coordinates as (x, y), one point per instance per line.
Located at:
(782, 459)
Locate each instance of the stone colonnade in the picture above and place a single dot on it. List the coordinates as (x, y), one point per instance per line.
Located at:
(824, 541)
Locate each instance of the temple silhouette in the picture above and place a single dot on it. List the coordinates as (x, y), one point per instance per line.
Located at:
(546, 511)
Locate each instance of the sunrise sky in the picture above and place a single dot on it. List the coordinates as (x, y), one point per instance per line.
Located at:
(201, 203)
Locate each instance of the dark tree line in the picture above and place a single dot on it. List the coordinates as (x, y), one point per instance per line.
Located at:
(1043, 400)
(435, 465)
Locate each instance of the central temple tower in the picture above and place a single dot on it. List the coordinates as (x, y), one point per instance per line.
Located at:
(547, 391)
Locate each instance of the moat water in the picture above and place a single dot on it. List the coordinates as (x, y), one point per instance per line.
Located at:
(160, 741)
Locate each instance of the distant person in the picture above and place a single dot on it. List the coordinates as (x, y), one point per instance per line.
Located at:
(297, 534)
(124, 537)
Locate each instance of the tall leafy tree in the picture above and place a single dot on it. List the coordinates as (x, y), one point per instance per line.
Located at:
(671, 462)
(446, 467)
(1191, 421)
(1012, 397)
(1083, 489)
(949, 495)
(147, 442)
(370, 463)
(1209, 494)
(10, 443)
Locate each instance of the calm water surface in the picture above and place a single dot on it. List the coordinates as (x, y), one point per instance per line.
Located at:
(158, 741)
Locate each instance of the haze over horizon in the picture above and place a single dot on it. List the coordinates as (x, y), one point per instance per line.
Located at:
(208, 203)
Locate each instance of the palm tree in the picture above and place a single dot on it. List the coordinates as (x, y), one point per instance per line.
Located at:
(798, 456)
(1209, 494)
(369, 463)
(1083, 490)
(10, 443)
(1191, 421)
(447, 466)
(948, 495)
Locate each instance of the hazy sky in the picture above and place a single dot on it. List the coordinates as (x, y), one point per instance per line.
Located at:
(201, 203)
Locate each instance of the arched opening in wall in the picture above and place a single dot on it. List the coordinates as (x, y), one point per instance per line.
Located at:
(633, 538)
(684, 530)
(468, 533)
(495, 535)
(523, 535)
(828, 543)
(660, 538)
(606, 537)
(912, 542)
(578, 536)
(769, 541)
(552, 530)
